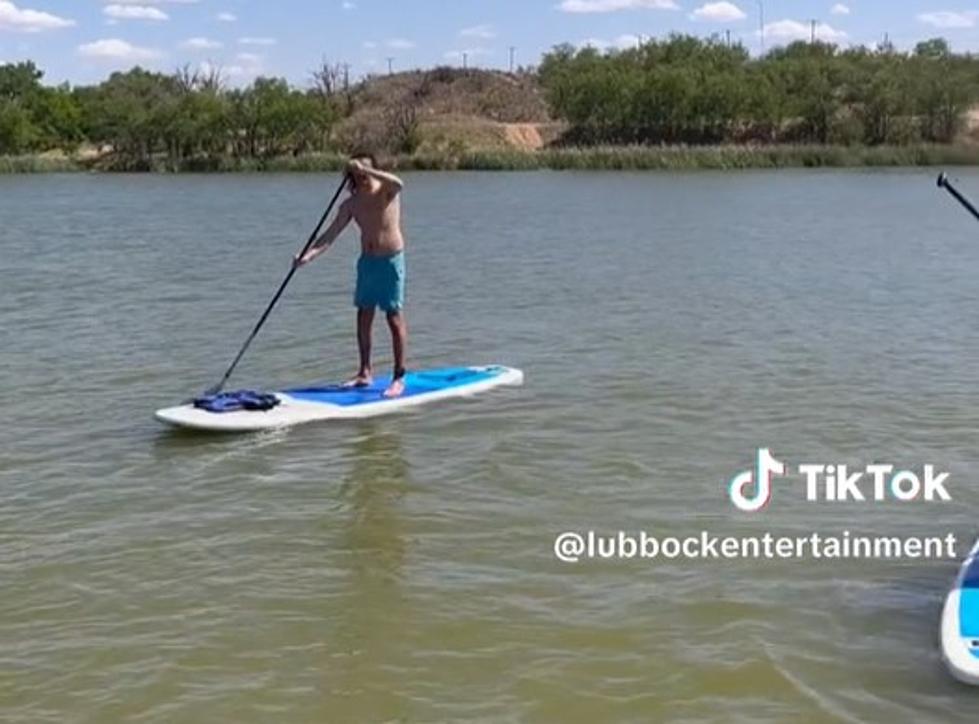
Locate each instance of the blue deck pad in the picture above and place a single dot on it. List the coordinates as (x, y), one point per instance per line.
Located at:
(969, 613)
(416, 383)
(969, 606)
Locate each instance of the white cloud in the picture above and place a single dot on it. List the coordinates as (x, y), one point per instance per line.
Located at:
(29, 21)
(611, 6)
(347, 5)
(257, 41)
(623, 42)
(400, 44)
(116, 49)
(206, 67)
(484, 32)
(154, 2)
(719, 12)
(246, 67)
(239, 73)
(469, 52)
(627, 41)
(134, 12)
(946, 19)
(201, 44)
(790, 30)
(369, 44)
(227, 17)
(840, 9)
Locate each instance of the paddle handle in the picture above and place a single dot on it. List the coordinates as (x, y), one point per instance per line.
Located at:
(282, 287)
(944, 183)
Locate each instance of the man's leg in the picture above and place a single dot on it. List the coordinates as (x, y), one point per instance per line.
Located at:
(399, 341)
(365, 320)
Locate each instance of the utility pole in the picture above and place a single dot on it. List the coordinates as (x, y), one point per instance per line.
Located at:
(346, 76)
(465, 60)
(390, 66)
(761, 25)
(727, 38)
(812, 32)
(512, 51)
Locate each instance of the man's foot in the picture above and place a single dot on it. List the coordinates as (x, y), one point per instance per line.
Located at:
(361, 380)
(396, 388)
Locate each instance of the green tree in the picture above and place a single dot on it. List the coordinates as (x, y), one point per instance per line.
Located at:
(19, 80)
(133, 113)
(703, 91)
(17, 134)
(58, 117)
(933, 48)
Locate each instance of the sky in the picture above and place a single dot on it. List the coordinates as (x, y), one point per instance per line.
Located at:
(81, 41)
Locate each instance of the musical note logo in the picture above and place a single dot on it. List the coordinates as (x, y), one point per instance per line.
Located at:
(761, 477)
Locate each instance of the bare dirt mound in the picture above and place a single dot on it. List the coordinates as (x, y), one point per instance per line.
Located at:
(525, 136)
(472, 108)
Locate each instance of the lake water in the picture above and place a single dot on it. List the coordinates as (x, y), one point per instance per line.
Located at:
(401, 569)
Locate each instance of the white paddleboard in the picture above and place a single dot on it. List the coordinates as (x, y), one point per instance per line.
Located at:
(333, 402)
(960, 622)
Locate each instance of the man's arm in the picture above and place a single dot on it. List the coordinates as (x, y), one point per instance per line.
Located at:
(326, 239)
(391, 183)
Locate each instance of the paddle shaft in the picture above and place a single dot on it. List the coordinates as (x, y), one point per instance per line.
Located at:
(285, 282)
(944, 183)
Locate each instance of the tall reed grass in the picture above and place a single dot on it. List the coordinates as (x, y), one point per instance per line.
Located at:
(610, 158)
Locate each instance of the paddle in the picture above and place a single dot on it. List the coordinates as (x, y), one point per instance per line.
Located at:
(944, 183)
(312, 237)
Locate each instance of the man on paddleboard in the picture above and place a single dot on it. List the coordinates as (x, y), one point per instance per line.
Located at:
(374, 203)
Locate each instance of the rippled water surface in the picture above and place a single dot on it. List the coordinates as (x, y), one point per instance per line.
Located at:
(401, 569)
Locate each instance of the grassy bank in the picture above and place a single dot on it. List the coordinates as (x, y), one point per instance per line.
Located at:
(727, 157)
(38, 164)
(612, 158)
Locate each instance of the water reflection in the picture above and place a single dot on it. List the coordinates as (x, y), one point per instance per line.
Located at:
(373, 606)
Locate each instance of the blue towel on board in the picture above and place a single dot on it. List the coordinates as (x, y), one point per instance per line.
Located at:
(240, 400)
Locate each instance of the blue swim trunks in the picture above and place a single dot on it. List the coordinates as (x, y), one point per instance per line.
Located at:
(381, 282)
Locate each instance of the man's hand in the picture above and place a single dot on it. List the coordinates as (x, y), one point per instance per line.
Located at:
(391, 183)
(326, 239)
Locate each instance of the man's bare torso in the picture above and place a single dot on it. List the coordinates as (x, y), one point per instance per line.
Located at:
(378, 214)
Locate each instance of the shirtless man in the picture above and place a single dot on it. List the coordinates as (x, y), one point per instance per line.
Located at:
(375, 205)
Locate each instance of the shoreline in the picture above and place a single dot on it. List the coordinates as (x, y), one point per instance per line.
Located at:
(597, 158)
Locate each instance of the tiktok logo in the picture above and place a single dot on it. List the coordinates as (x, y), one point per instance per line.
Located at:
(761, 477)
